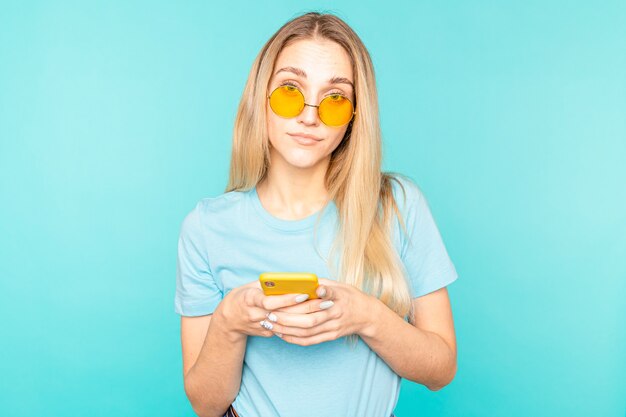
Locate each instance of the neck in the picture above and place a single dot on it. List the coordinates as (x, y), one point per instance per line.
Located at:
(292, 193)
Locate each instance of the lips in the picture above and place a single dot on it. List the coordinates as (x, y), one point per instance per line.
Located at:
(305, 135)
(304, 139)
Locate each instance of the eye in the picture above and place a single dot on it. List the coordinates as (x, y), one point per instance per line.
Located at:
(288, 85)
(336, 97)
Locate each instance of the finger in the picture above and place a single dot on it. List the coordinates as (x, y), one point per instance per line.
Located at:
(259, 323)
(307, 307)
(311, 340)
(325, 326)
(320, 291)
(303, 321)
(253, 322)
(326, 292)
(274, 302)
(254, 284)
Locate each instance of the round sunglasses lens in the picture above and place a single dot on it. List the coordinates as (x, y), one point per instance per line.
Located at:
(287, 101)
(335, 110)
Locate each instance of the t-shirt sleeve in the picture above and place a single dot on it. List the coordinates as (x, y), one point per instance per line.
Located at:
(422, 250)
(196, 291)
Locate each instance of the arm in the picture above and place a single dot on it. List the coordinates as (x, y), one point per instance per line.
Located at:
(213, 358)
(423, 352)
(214, 346)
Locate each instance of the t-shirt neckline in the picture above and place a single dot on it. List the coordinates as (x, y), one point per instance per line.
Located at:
(287, 225)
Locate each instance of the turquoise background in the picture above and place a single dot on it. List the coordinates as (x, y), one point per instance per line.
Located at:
(116, 118)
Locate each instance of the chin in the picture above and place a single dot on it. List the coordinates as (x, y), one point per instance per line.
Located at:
(302, 163)
(296, 156)
(300, 160)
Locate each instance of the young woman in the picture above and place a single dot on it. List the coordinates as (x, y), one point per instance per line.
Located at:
(306, 194)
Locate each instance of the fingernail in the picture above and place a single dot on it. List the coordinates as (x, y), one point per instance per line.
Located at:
(267, 325)
(322, 292)
(300, 298)
(279, 335)
(272, 317)
(326, 304)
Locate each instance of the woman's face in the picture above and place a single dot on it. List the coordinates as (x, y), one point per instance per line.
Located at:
(318, 69)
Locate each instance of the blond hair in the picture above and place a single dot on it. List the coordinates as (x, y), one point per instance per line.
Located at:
(363, 254)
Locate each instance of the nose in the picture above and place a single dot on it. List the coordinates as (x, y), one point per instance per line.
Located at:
(309, 115)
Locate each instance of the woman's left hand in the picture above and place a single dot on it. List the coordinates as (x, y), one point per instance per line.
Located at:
(341, 310)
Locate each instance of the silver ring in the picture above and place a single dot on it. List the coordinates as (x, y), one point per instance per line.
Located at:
(267, 325)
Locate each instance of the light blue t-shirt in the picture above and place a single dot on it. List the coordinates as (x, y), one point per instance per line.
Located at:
(227, 241)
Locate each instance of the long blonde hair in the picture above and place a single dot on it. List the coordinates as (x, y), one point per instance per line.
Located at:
(362, 193)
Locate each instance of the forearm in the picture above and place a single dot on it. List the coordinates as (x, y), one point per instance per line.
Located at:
(414, 354)
(214, 380)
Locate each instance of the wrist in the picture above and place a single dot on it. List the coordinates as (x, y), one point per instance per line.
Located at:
(371, 317)
(225, 323)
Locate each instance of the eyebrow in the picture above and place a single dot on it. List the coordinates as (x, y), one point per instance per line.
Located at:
(299, 72)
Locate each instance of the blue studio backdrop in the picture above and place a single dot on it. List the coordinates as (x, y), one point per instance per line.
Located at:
(116, 118)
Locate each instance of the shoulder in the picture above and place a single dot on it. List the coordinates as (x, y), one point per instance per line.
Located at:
(406, 192)
(221, 203)
(214, 209)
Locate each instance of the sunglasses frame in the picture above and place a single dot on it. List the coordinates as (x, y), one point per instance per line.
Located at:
(312, 105)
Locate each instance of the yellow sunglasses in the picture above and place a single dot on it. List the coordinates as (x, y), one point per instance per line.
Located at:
(334, 110)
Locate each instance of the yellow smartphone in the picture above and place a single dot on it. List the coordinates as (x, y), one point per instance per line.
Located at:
(277, 283)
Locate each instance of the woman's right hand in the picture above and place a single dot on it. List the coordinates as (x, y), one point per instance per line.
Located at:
(244, 310)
